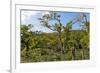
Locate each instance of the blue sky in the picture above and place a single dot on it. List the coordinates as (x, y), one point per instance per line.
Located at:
(31, 17)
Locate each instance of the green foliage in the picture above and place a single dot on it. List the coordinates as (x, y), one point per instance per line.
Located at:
(62, 44)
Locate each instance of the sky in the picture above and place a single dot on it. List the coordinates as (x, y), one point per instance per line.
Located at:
(31, 17)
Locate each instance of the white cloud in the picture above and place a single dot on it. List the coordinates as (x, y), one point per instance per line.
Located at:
(26, 14)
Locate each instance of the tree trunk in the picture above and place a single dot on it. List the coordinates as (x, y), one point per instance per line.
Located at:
(73, 53)
(61, 45)
(82, 54)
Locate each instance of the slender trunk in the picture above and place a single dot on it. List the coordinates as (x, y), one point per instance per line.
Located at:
(61, 45)
(73, 53)
(82, 54)
(60, 39)
(66, 39)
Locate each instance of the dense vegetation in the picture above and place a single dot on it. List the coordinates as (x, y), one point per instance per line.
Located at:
(62, 44)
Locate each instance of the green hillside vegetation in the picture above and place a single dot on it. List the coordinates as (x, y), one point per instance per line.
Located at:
(63, 44)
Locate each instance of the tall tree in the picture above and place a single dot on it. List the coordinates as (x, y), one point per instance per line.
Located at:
(57, 26)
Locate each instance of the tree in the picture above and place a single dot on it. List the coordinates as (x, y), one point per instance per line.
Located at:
(85, 35)
(26, 38)
(57, 27)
